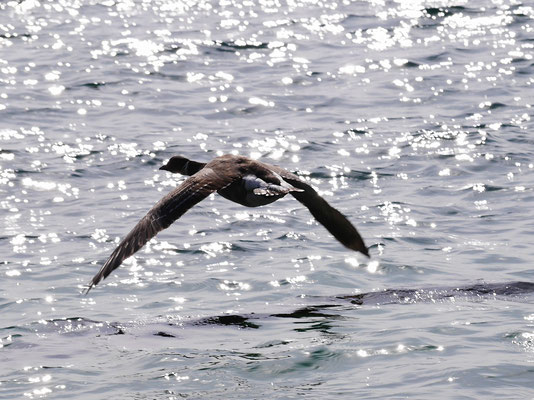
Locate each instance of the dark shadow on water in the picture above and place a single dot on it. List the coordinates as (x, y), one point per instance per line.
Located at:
(469, 293)
(475, 292)
(241, 321)
(319, 317)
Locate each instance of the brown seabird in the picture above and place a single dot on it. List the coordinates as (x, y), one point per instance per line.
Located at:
(240, 179)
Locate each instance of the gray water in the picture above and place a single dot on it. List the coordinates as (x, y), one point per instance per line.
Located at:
(414, 118)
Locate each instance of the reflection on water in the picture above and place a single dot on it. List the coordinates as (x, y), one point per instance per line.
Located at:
(412, 118)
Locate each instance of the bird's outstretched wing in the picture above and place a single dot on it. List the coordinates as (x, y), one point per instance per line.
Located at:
(164, 213)
(335, 222)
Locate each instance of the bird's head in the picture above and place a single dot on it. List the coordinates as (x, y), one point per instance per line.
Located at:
(176, 164)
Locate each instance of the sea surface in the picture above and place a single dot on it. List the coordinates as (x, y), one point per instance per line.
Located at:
(413, 118)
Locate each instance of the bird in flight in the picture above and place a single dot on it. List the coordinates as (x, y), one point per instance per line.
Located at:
(240, 179)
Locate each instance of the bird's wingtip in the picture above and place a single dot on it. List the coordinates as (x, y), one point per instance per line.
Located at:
(88, 288)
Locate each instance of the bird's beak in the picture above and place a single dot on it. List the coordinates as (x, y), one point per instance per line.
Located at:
(164, 167)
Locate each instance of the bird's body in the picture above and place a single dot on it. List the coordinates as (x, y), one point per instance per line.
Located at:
(237, 178)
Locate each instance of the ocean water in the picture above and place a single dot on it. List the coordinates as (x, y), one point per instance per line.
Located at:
(413, 118)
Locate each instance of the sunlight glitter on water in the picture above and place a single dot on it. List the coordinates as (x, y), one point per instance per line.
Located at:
(411, 119)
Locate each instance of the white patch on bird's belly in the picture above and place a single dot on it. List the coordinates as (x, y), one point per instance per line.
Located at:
(260, 193)
(253, 182)
(265, 192)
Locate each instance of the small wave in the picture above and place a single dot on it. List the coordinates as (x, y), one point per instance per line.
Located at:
(234, 45)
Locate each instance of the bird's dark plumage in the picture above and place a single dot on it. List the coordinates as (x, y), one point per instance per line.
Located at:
(237, 178)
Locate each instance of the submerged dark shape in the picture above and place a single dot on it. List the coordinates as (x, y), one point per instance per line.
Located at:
(331, 308)
(239, 179)
(409, 296)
